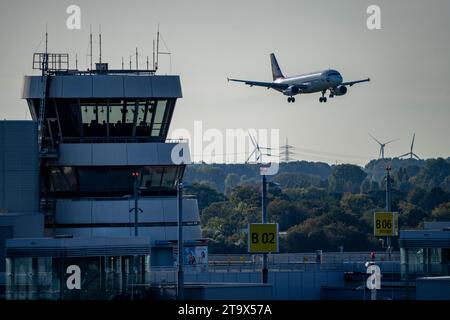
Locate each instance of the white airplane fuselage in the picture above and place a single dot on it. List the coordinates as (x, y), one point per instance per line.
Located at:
(313, 82)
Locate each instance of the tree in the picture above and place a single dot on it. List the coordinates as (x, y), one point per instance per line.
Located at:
(356, 203)
(442, 212)
(205, 194)
(411, 215)
(346, 178)
(286, 213)
(435, 197)
(231, 182)
(296, 180)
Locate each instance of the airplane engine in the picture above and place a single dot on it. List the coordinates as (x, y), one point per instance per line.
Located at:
(291, 91)
(340, 90)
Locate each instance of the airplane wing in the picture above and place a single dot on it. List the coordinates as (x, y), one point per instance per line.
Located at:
(350, 83)
(271, 85)
(268, 85)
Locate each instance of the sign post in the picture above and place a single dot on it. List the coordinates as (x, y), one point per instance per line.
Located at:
(385, 224)
(263, 237)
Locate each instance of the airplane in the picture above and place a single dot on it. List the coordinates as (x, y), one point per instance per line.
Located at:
(321, 81)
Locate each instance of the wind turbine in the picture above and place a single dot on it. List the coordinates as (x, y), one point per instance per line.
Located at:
(257, 150)
(411, 154)
(382, 145)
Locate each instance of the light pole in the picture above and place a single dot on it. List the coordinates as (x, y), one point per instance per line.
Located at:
(388, 204)
(180, 282)
(265, 272)
(136, 209)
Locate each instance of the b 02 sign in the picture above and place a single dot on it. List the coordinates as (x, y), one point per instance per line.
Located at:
(385, 224)
(262, 237)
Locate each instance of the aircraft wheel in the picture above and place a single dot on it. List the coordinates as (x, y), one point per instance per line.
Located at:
(324, 99)
(320, 99)
(289, 99)
(293, 99)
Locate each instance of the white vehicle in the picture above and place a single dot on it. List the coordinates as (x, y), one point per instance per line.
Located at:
(320, 81)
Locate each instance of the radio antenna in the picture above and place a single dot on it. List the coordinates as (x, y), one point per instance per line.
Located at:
(153, 55)
(137, 64)
(90, 45)
(157, 49)
(100, 41)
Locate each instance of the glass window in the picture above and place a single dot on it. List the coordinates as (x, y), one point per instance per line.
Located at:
(169, 177)
(159, 116)
(63, 179)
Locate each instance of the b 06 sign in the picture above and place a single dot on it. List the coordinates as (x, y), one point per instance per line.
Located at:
(262, 237)
(385, 224)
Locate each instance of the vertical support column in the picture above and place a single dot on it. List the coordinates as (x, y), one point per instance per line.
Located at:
(388, 204)
(265, 272)
(180, 274)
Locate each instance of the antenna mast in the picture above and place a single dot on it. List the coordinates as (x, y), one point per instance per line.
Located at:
(90, 47)
(153, 55)
(100, 42)
(157, 48)
(76, 61)
(137, 64)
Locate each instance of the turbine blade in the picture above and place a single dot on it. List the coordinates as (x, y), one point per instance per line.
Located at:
(253, 142)
(375, 139)
(390, 141)
(250, 155)
(412, 143)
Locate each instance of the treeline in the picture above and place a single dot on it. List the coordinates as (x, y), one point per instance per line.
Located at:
(316, 205)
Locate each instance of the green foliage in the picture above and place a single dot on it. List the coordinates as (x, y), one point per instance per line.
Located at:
(346, 178)
(319, 208)
(204, 193)
(442, 212)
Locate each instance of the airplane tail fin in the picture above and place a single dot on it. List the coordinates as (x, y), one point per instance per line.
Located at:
(276, 71)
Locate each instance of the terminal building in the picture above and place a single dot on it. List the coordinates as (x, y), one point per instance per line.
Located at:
(71, 180)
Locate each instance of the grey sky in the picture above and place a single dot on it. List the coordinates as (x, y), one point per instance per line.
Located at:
(408, 62)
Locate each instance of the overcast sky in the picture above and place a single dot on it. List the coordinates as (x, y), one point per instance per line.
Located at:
(407, 60)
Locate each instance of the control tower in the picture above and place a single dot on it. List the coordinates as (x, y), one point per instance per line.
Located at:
(101, 137)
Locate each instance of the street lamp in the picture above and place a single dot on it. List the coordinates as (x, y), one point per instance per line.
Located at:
(136, 209)
(265, 271)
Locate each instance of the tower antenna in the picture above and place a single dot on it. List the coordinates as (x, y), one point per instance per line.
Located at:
(46, 39)
(122, 63)
(90, 46)
(153, 55)
(157, 49)
(100, 41)
(147, 63)
(76, 61)
(137, 64)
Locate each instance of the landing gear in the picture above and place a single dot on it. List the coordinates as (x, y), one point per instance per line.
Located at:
(291, 99)
(323, 98)
(331, 95)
